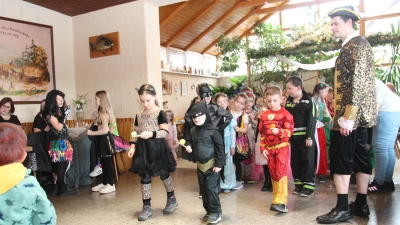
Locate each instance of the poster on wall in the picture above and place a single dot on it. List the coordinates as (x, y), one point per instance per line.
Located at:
(26, 61)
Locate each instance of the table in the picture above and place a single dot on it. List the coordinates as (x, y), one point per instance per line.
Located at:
(78, 173)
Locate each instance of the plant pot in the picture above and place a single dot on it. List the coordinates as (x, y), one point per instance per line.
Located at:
(80, 115)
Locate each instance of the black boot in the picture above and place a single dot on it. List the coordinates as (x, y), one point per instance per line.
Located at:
(54, 191)
(65, 191)
(267, 182)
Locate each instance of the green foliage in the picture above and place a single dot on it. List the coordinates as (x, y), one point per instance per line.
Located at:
(237, 82)
(379, 39)
(392, 74)
(34, 56)
(269, 36)
(229, 50)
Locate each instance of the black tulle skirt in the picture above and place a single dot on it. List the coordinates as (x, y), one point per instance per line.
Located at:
(153, 156)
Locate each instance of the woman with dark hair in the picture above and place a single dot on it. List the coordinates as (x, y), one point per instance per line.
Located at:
(60, 150)
(150, 151)
(39, 124)
(6, 110)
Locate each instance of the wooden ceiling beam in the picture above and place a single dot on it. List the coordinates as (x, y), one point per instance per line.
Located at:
(292, 6)
(212, 26)
(212, 5)
(248, 32)
(172, 15)
(228, 31)
(256, 2)
(384, 16)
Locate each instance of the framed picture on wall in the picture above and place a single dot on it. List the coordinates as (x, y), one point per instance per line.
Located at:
(167, 87)
(184, 88)
(26, 61)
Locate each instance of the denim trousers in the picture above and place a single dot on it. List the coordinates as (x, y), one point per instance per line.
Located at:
(384, 135)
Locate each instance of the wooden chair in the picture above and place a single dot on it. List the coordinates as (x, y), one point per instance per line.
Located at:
(125, 127)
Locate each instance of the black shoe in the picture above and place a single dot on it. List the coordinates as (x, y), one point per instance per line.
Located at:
(54, 192)
(278, 208)
(374, 187)
(264, 188)
(389, 185)
(297, 190)
(306, 192)
(362, 211)
(321, 178)
(335, 216)
(66, 192)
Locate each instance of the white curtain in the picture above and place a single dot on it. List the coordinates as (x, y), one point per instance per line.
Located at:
(317, 66)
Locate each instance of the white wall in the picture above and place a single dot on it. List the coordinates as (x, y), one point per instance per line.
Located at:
(178, 103)
(138, 62)
(63, 51)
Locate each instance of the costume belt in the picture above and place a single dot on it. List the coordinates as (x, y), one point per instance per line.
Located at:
(206, 166)
(281, 145)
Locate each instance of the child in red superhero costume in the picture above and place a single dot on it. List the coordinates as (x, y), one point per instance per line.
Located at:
(276, 127)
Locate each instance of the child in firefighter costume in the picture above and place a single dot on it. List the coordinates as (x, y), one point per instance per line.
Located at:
(276, 127)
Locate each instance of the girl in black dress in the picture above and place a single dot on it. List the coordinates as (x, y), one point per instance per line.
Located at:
(150, 151)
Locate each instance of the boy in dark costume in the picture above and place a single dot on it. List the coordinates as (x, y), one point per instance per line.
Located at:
(208, 150)
(302, 107)
(220, 117)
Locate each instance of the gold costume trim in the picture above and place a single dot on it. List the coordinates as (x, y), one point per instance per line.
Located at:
(350, 112)
(206, 166)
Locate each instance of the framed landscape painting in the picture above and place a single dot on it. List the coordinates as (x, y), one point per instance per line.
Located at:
(26, 61)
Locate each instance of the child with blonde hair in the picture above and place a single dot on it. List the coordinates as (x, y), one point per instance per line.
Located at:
(276, 127)
(104, 141)
(242, 141)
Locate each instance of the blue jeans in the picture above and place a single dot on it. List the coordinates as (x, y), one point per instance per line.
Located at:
(383, 138)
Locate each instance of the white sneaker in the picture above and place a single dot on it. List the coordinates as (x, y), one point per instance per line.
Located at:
(96, 171)
(107, 189)
(98, 187)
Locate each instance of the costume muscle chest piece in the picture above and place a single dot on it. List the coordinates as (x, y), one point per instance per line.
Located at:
(282, 120)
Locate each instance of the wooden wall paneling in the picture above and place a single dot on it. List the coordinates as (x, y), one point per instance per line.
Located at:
(165, 11)
(255, 3)
(228, 31)
(191, 23)
(212, 26)
(292, 6)
(171, 16)
(72, 8)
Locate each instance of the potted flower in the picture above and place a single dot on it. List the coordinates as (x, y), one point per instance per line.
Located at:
(79, 102)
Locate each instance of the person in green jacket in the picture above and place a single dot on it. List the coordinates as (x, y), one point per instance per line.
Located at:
(22, 199)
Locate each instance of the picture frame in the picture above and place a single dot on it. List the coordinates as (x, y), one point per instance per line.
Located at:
(167, 87)
(26, 61)
(184, 88)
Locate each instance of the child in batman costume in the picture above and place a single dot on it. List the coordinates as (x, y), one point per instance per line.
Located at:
(208, 151)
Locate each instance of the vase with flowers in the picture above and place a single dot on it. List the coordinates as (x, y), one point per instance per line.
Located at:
(79, 102)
